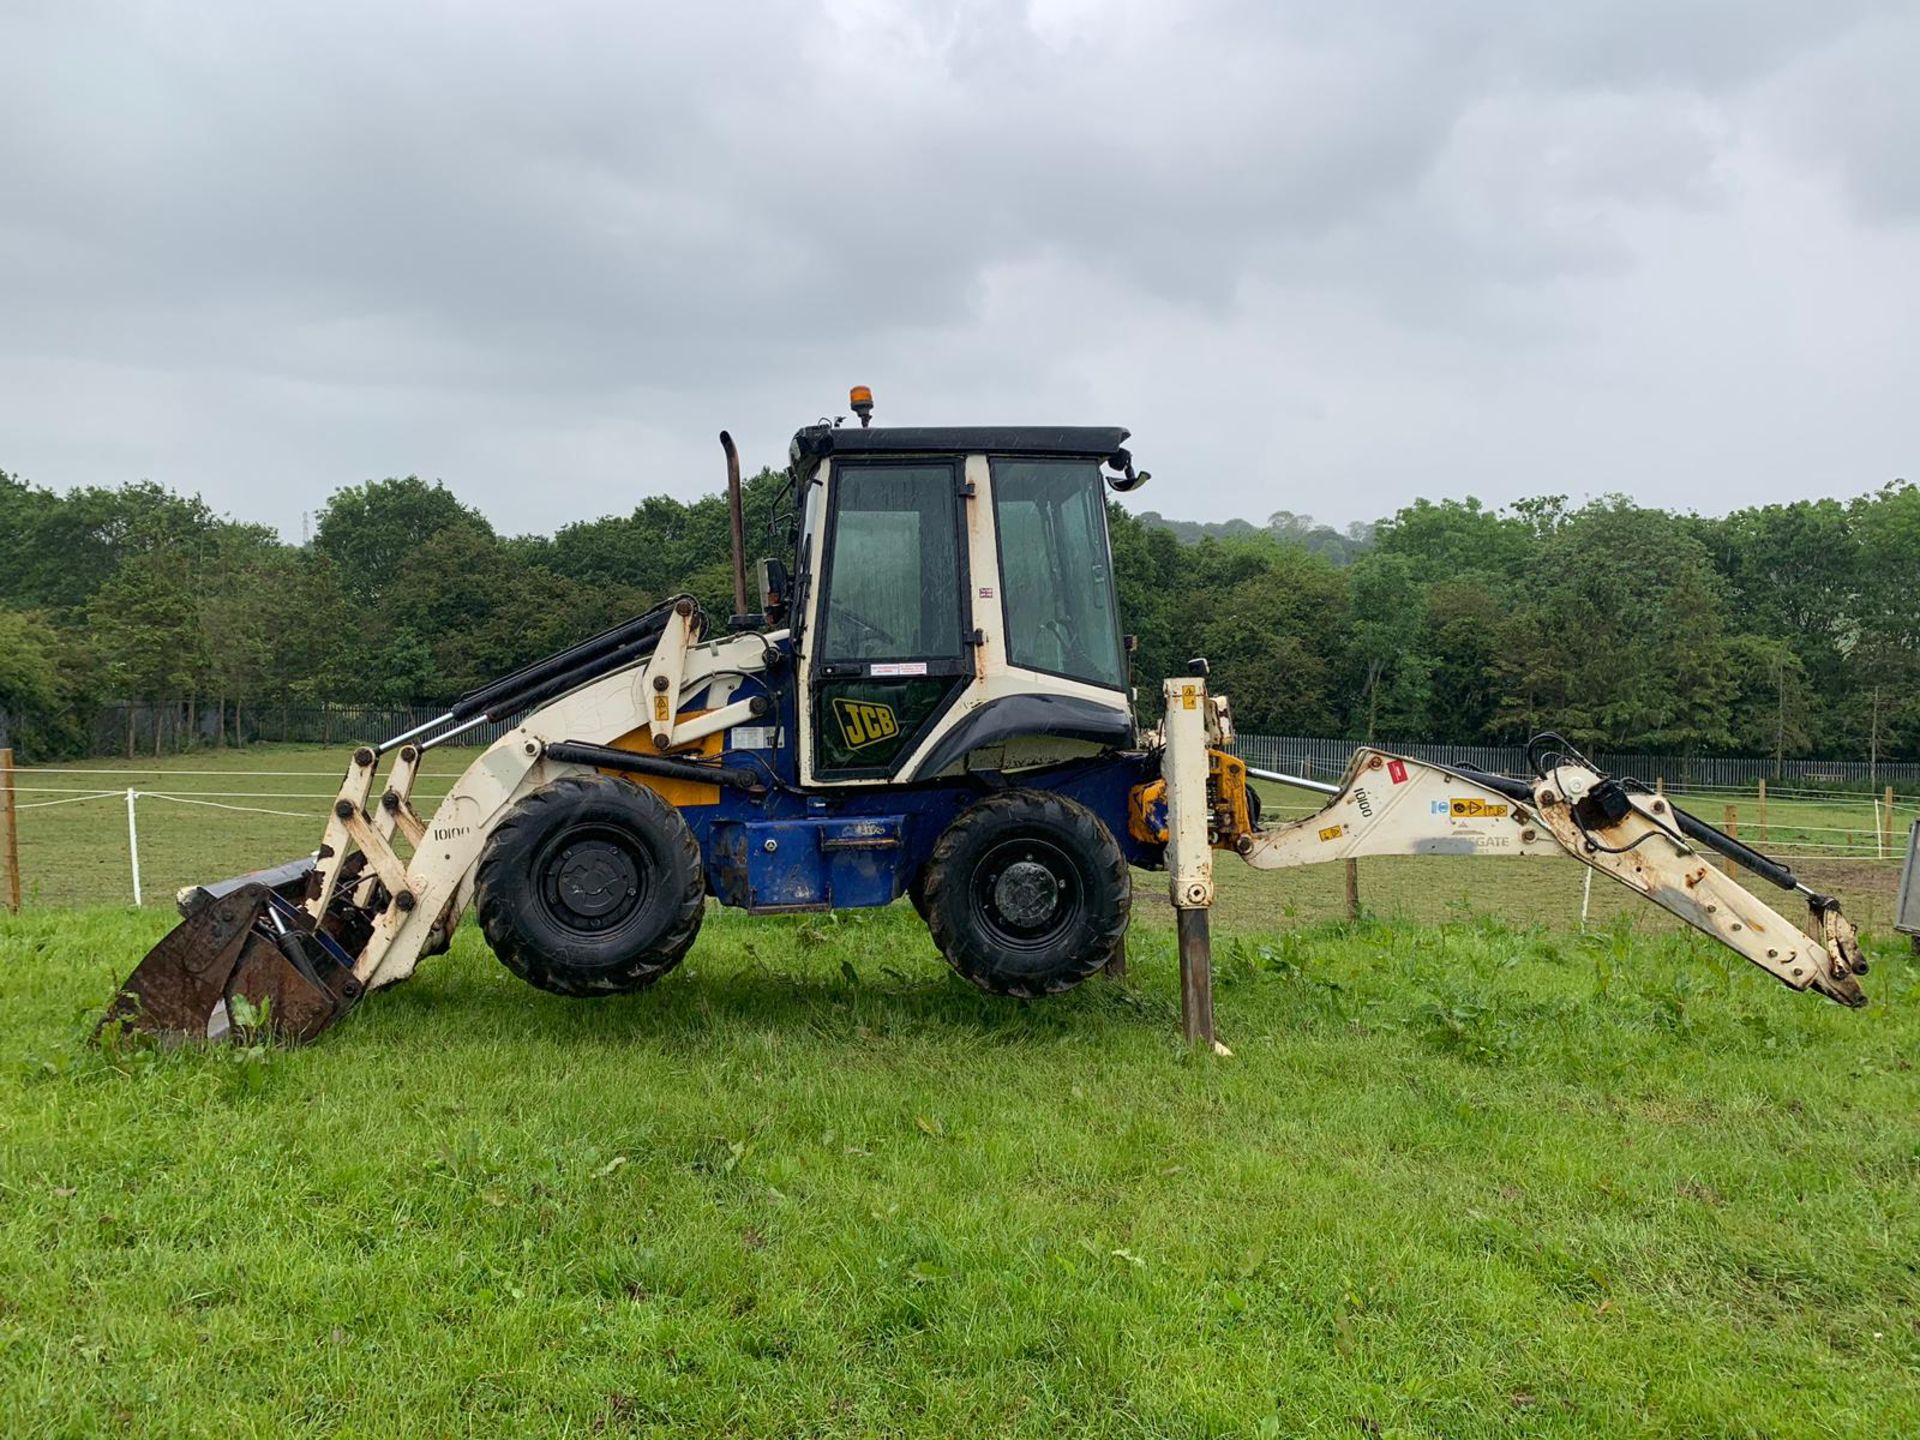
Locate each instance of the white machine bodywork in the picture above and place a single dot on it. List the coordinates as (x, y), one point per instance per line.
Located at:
(1393, 805)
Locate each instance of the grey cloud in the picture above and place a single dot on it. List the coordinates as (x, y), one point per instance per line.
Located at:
(261, 250)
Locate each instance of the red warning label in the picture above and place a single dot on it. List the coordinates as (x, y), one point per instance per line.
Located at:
(1397, 771)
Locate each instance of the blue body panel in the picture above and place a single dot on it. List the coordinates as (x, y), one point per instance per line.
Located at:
(854, 846)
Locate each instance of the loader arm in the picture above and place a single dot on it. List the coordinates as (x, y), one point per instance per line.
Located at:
(305, 942)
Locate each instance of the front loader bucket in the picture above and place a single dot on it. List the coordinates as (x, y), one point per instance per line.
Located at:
(247, 960)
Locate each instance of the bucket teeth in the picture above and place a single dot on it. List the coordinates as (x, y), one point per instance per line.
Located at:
(236, 946)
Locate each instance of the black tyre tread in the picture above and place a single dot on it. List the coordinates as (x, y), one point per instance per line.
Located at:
(975, 962)
(494, 882)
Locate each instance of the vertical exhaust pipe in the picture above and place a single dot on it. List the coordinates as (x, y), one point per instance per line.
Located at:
(737, 518)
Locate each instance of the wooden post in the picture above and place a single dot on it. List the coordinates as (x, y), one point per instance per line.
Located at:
(1732, 827)
(1886, 826)
(1353, 889)
(1764, 834)
(10, 829)
(1659, 784)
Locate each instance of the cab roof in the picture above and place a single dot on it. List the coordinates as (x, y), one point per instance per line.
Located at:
(1092, 442)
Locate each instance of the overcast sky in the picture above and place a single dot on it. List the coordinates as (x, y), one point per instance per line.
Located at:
(1320, 257)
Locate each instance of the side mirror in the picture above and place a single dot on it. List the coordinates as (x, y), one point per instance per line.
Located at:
(1126, 480)
(773, 590)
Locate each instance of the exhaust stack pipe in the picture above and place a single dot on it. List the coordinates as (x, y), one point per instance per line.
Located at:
(737, 518)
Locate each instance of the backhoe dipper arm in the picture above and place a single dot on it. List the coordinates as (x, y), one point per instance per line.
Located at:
(1392, 805)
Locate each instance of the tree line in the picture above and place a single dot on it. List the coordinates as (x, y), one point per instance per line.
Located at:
(1779, 630)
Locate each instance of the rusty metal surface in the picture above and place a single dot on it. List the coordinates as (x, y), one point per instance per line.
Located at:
(1837, 982)
(174, 989)
(226, 950)
(291, 1006)
(1196, 977)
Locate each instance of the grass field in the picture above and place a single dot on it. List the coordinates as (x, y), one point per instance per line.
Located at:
(1459, 1179)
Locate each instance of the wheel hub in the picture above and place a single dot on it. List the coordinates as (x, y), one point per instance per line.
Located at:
(1026, 893)
(595, 879)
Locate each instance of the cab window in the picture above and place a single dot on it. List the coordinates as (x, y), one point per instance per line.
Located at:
(1055, 571)
(893, 572)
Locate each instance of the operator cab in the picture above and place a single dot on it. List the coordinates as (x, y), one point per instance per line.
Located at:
(952, 600)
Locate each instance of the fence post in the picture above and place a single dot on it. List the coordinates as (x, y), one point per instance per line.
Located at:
(10, 823)
(1886, 826)
(1659, 784)
(1732, 827)
(1765, 835)
(1353, 889)
(133, 844)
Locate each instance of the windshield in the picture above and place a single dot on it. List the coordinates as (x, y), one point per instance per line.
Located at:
(1056, 571)
(893, 586)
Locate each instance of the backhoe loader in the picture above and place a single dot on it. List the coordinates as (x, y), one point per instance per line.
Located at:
(931, 699)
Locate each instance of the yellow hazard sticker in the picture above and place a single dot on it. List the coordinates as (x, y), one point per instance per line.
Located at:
(864, 722)
(1189, 696)
(1333, 832)
(1471, 809)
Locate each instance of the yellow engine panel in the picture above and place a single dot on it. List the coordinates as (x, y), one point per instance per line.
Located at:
(680, 794)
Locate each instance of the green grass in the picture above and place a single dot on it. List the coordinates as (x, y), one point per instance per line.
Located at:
(1457, 1180)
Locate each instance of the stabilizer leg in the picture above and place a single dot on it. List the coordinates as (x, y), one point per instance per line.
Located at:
(1183, 765)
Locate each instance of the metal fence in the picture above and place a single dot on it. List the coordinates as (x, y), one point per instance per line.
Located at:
(143, 729)
(1327, 759)
(138, 729)
(87, 828)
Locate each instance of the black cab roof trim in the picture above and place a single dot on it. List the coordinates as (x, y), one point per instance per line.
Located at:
(1096, 442)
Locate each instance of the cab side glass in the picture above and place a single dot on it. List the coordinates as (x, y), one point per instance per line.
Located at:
(1056, 571)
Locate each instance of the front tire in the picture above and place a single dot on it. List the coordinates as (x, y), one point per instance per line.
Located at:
(1027, 894)
(590, 886)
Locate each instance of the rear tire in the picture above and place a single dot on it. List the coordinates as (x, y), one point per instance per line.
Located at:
(1027, 894)
(591, 886)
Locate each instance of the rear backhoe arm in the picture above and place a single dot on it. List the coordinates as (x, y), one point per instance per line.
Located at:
(1392, 805)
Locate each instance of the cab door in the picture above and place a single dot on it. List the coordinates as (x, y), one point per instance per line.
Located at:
(889, 649)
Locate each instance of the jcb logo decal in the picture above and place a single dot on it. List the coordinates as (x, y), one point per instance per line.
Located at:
(864, 723)
(1476, 809)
